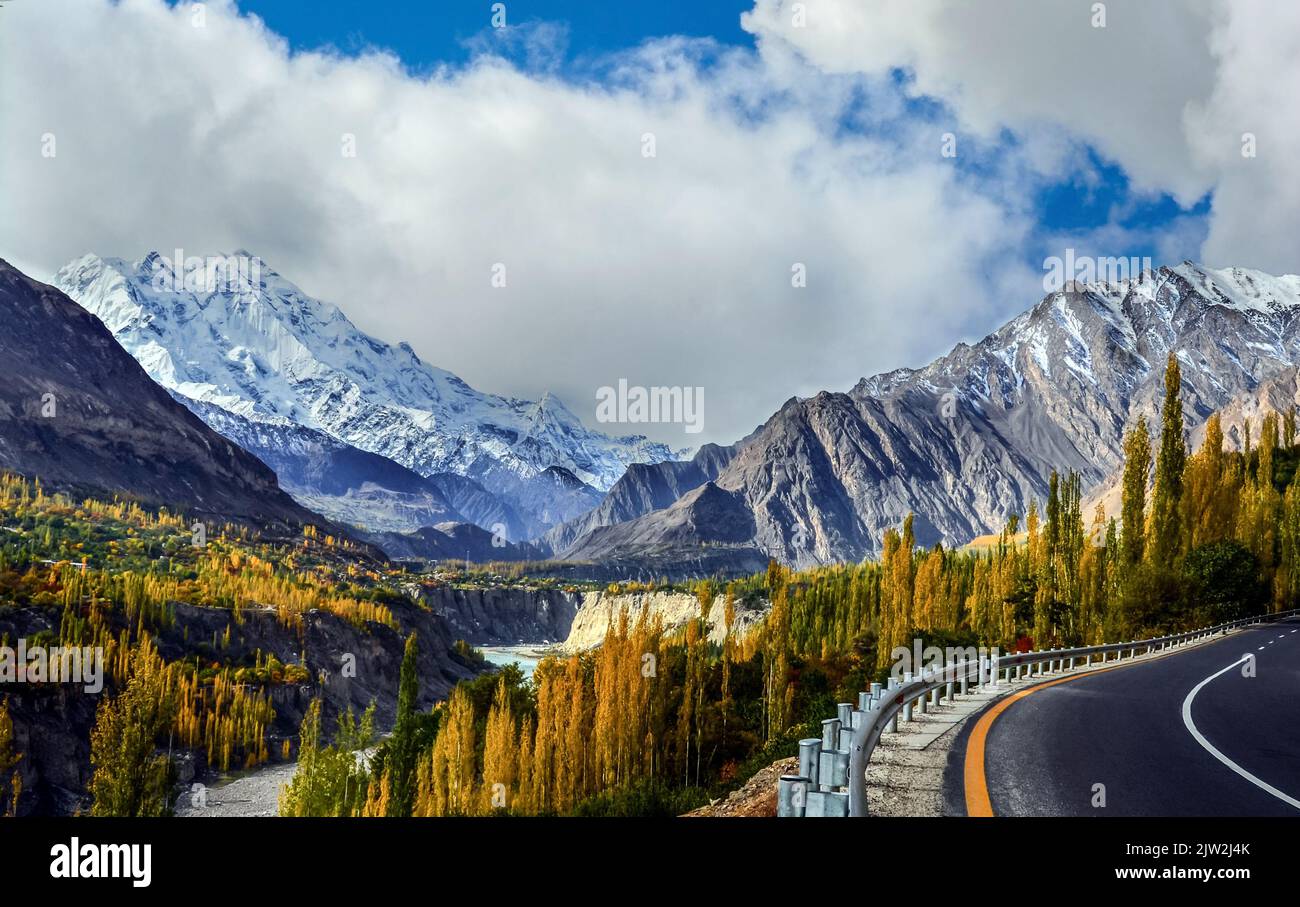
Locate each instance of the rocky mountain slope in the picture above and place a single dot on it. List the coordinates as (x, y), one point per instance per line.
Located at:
(247, 340)
(971, 438)
(384, 501)
(79, 413)
(334, 479)
(643, 488)
(451, 542)
(506, 615)
(1278, 394)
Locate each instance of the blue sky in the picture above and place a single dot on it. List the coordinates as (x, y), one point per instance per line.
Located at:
(430, 32)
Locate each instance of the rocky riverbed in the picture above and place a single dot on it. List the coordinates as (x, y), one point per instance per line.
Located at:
(253, 793)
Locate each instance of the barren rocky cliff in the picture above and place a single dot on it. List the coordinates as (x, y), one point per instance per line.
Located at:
(575, 621)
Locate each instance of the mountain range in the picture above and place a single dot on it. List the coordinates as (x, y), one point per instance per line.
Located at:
(962, 443)
(256, 357)
(967, 440)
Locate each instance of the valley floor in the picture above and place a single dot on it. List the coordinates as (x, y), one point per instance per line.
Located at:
(248, 794)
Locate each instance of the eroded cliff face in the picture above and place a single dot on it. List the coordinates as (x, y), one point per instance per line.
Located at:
(502, 615)
(574, 621)
(600, 611)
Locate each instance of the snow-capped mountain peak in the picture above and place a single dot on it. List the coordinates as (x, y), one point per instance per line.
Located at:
(228, 330)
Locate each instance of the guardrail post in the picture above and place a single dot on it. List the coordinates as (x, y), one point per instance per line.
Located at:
(792, 796)
(810, 755)
(832, 772)
(907, 706)
(830, 733)
(830, 742)
(827, 803)
(893, 722)
(845, 716)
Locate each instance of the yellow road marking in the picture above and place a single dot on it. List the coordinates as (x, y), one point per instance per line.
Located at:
(977, 791)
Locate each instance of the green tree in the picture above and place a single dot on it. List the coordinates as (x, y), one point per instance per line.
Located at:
(1223, 580)
(1137, 469)
(129, 778)
(330, 780)
(403, 749)
(10, 786)
(1166, 533)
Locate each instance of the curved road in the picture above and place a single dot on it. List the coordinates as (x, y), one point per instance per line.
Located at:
(1126, 728)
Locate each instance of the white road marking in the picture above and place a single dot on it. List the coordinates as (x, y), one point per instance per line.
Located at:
(1209, 747)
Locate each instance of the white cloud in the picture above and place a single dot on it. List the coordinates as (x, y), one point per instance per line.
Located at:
(1030, 65)
(1256, 217)
(673, 270)
(1166, 88)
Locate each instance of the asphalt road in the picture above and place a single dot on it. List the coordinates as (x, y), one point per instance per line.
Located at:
(1125, 729)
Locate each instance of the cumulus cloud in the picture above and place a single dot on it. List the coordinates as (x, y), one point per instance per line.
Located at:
(1256, 216)
(673, 269)
(666, 270)
(1164, 88)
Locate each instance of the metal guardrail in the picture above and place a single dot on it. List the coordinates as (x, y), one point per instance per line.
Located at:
(832, 779)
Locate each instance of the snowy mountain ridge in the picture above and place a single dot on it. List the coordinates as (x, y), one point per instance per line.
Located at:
(251, 342)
